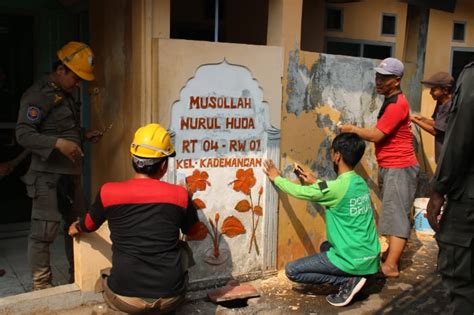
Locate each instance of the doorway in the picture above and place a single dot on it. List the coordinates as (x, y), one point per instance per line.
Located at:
(460, 57)
(30, 34)
(16, 74)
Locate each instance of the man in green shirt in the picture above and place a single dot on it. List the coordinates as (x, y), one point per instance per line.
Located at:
(353, 247)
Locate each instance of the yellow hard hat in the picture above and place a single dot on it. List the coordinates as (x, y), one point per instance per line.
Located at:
(79, 58)
(152, 141)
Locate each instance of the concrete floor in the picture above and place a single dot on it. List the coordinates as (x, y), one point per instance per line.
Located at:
(13, 248)
(417, 291)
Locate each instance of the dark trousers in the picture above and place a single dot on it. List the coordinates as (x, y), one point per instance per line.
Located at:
(316, 269)
(55, 197)
(138, 305)
(456, 254)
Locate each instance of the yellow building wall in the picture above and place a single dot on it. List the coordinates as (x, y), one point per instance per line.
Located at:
(299, 232)
(440, 32)
(363, 21)
(438, 57)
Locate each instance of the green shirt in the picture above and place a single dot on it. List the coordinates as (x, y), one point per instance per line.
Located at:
(350, 225)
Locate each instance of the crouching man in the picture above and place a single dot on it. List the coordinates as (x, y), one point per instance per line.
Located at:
(353, 248)
(145, 216)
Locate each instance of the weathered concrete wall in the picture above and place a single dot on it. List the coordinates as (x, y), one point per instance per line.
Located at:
(321, 90)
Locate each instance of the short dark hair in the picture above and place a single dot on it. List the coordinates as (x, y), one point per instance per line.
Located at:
(351, 147)
(152, 165)
(58, 63)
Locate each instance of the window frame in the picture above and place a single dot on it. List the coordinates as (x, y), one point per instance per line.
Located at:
(457, 49)
(464, 23)
(395, 26)
(326, 19)
(362, 43)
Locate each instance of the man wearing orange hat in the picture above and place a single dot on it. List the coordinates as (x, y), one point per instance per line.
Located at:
(49, 126)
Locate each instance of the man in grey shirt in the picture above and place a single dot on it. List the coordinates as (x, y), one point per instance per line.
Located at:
(441, 85)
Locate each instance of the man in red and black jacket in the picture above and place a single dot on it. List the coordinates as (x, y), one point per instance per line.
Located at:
(145, 217)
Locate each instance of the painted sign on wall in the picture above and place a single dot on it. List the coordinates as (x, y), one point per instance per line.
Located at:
(221, 132)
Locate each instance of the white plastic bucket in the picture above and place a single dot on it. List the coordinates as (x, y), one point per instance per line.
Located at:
(421, 221)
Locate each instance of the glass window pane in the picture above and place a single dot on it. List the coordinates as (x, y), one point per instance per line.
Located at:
(458, 31)
(342, 48)
(377, 51)
(334, 19)
(388, 24)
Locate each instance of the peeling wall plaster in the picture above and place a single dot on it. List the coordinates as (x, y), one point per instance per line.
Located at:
(345, 84)
(341, 84)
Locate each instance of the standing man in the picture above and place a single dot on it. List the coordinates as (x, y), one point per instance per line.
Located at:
(49, 126)
(145, 217)
(441, 85)
(454, 177)
(398, 167)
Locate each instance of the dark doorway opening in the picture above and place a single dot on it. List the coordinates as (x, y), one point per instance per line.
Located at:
(460, 59)
(30, 34)
(16, 75)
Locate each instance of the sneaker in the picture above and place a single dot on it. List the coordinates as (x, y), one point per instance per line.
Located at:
(347, 292)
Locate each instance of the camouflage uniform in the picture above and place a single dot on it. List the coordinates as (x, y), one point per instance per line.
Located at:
(53, 181)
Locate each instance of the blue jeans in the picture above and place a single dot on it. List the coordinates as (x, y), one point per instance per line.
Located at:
(316, 269)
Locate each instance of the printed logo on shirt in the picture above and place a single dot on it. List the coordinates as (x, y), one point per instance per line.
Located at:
(365, 258)
(57, 98)
(359, 205)
(33, 114)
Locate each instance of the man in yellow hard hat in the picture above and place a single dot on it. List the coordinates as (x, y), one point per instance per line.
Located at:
(49, 126)
(145, 217)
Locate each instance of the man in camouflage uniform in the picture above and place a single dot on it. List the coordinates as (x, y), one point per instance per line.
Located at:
(49, 126)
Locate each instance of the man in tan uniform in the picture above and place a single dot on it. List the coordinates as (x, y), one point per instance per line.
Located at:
(49, 126)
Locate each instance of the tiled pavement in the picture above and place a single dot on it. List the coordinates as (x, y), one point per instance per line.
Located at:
(17, 277)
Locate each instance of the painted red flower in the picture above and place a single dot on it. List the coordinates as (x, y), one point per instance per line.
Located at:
(198, 181)
(245, 180)
(232, 227)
